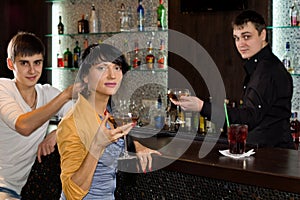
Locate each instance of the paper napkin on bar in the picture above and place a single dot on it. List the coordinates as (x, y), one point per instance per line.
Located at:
(237, 156)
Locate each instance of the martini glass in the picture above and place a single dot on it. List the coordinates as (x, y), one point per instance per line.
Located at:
(175, 94)
(122, 118)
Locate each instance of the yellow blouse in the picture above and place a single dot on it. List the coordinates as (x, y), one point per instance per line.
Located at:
(74, 136)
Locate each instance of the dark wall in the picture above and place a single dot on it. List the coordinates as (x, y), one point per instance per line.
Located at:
(22, 15)
(212, 29)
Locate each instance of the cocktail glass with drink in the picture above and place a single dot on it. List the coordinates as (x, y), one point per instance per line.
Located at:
(237, 135)
(175, 94)
(122, 118)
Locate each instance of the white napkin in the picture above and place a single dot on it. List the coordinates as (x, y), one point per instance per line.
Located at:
(237, 156)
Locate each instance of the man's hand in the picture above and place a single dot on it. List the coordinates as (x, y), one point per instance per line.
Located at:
(189, 103)
(47, 146)
(73, 90)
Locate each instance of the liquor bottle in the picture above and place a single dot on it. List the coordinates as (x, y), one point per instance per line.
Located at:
(124, 26)
(287, 58)
(93, 21)
(202, 125)
(161, 57)
(151, 15)
(159, 114)
(195, 123)
(161, 16)
(60, 60)
(83, 25)
(130, 18)
(210, 126)
(76, 55)
(68, 58)
(60, 26)
(136, 61)
(188, 121)
(85, 42)
(140, 16)
(296, 63)
(168, 115)
(295, 127)
(150, 57)
(294, 14)
(127, 54)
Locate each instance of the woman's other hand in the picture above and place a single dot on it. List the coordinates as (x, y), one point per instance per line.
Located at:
(144, 155)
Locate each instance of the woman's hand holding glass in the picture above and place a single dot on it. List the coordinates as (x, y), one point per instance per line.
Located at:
(105, 136)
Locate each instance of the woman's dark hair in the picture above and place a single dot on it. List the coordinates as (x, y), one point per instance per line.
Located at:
(98, 53)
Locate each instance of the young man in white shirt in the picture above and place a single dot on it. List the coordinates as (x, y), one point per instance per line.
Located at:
(25, 110)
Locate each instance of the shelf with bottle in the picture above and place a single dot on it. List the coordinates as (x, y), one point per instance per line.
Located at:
(133, 70)
(73, 35)
(53, 1)
(282, 27)
(61, 68)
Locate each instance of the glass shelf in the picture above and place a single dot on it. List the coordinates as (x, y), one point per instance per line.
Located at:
(282, 27)
(52, 1)
(133, 70)
(62, 68)
(82, 34)
(103, 33)
(295, 75)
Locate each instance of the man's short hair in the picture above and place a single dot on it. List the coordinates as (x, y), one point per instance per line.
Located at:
(25, 44)
(250, 16)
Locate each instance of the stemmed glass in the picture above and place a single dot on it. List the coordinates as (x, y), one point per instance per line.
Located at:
(175, 94)
(121, 117)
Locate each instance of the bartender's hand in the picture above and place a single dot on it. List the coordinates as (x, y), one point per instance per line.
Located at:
(47, 146)
(144, 156)
(189, 103)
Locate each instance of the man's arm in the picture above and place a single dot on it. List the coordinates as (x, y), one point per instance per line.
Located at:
(30, 121)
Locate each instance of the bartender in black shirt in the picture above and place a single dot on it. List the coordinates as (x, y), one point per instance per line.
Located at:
(268, 87)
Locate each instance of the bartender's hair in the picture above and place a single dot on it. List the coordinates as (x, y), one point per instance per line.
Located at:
(250, 16)
(96, 54)
(25, 44)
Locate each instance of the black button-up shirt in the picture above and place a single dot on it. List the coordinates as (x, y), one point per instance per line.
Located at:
(266, 109)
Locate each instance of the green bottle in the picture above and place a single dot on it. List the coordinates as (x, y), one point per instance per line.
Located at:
(68, 59)
(161, 16)
(76, 56)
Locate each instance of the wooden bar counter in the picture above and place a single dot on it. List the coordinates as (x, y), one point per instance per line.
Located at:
(271, 173)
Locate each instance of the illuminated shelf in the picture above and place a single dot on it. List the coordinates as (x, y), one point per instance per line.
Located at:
(295, 75)
(282, 27)
(133, 70)
(62, 68)
(103, 33)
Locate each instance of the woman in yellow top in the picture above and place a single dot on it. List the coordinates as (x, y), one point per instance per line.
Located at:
(87, 141)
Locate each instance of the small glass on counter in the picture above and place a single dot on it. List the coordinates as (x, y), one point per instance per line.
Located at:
(237, 135)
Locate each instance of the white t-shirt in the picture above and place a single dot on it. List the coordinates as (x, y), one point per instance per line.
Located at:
(17, 152)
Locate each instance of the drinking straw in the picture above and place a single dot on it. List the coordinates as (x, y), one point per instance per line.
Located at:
(226, 114)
